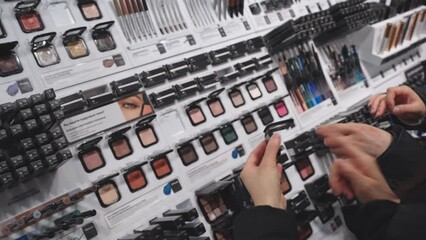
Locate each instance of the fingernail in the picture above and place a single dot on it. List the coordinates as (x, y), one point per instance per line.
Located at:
(396, 110)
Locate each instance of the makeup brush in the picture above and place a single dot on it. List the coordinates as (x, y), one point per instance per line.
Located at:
(146, 17)
(138, 17)
(120, 20)
(132, 19)
(182, 19)
(127, 21)
(157, 18)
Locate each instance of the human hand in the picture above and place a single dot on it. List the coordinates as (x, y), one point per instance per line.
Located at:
(346, 179)
(403, 102)
(262, 174)
(359, 145)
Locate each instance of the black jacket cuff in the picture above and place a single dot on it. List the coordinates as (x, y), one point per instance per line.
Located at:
(402, 160)
(265, 223)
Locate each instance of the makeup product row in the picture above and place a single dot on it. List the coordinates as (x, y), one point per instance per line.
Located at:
(202, 61)
(169, 96)
(197, 116)
(223, 8)
(137, 23)
(344, 65)
(46, 210)
(32, 143)
(350, 18)
(30, 20)
(179, 224)
(396, 34)
(269, 6)
(44, 50)
(304, 77)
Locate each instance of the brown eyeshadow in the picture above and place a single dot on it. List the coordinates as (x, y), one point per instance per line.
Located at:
(209, 144)
(187, 154)
(8, 64)
(121, 148)
(249, 124)
(305, 168)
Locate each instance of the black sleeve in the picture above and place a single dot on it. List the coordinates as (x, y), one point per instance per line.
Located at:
(404, 162)
(265, 223)
(384, 220)
(421, 91)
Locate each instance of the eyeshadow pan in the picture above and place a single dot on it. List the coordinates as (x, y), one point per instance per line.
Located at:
(121, 148)
(9, 60)
(108, 194)
(209, 144)
(196, 115)
(8, 64)
(77, 49)
(281, 108)
(270, 84)
(216, 107)
(254, 91)
(285, 183)
(90, 10)
(147, 136)
(135, 180)
(187, 154)
(30, 21)
(102, 36)
(237, 98)
(92, 160)
(161, 167)
(228, 133)
(265, 116)
(249, 124)
(305, 168)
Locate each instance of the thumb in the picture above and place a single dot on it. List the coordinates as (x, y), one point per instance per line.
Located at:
(403, 109)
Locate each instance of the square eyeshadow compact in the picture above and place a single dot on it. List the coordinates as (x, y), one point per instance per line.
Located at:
(254, 90)
(135, 177)
(281, 108)
(107, 191)
(74, 44)
(209, 143)
(265, 115)
(270, 84)
(236, 96)
(146, 133)
(28, 18)
(9, 60)
(187, 153)
(89, 9)
(160, 164)
(211, 201)
(120, 144)
(249, 124)
(228, 133)
(44, 51)
(215, 104)
(103, 37)
(195, 112)
(91, 156)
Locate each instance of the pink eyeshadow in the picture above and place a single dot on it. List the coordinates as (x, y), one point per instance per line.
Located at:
(196, 116)
(281, 109)
(92, 160)
(216, 108)
(147, 136)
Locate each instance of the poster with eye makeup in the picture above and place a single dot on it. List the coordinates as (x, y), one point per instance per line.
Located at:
(103, 118)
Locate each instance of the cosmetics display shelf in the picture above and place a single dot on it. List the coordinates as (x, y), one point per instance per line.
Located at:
(391, 38)
(140, 167)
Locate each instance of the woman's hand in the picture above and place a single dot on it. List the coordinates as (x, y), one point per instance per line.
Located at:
(357, 146)
(403, 102)
(261, 175)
